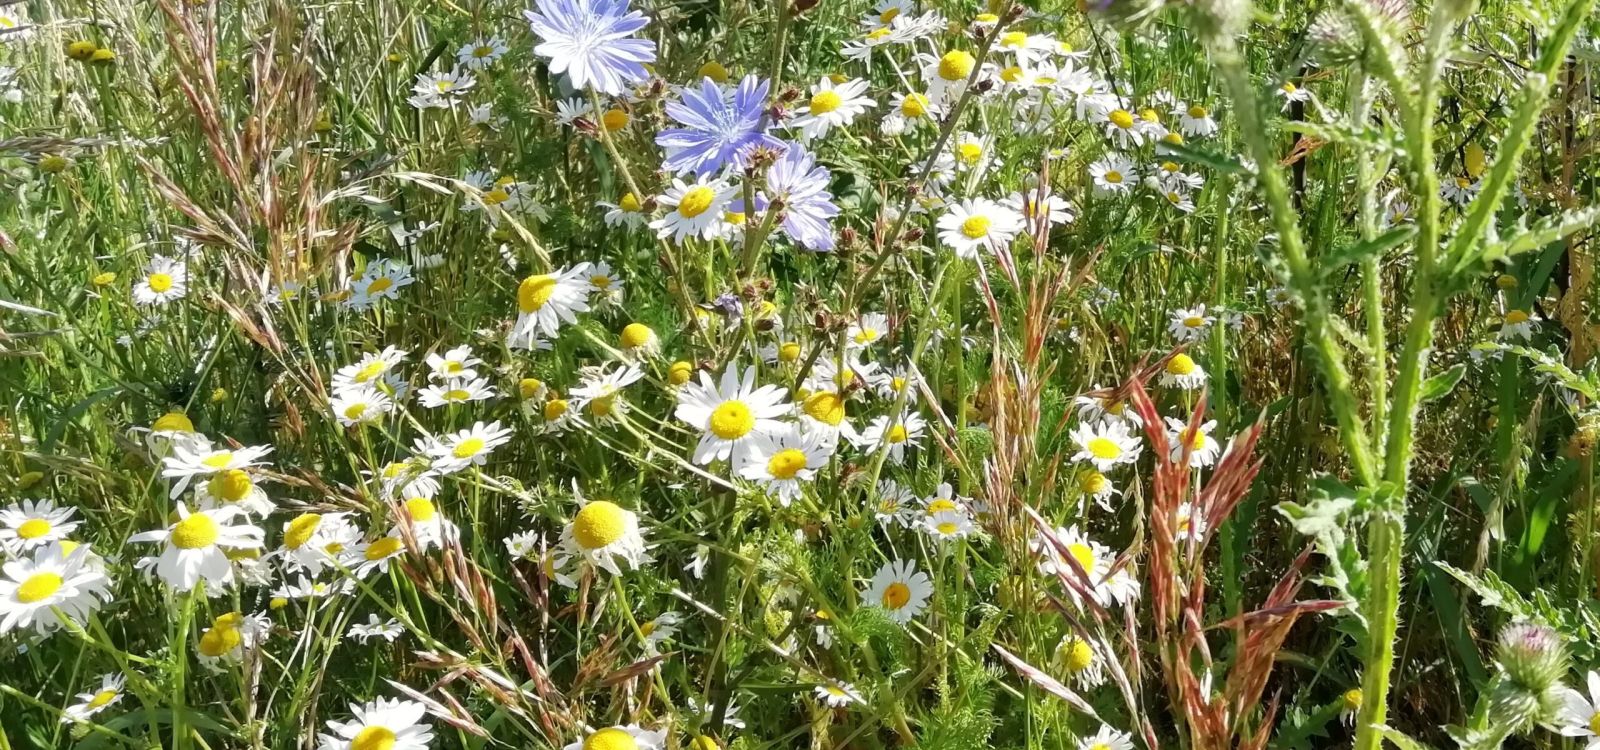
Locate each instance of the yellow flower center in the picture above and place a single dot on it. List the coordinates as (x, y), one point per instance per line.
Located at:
(496, 196)
(1198, 112)
(38, 587)
(372, 370)
(468, 448)
(554, 409)
(102, 698)
(482, 50)
(715, 71)
(735, 218)
(956, 65)
(1506, 281)
(421, 510)
(382, 548)
(602, 406)
(354, 411)
(1173, 137)
(1516, 316)
(914, 105)
(941, 505)
(1352, 699)
(299, 530)
(986, 18)
(1180, 364)
(1113, 176)
(732, 420)
(1594, 723)
(680, 371)
(635, 335)
(896, 595)
(380, 285)
(457, 394)
(946, 528)
(1011, 74)
(1092, 482)
(231, 485)
(614, 119)
(172, 421)
(785, 464)
(630, 203)
(599, 524)
(373, 738)
(825, 407)
(896, 435)
(888, 15)
(33, 528)
(1289, 88)
(220, 639)
(218, 460)
(824, 102)
(534, 292)
(1194, 321)
(969, 153)
(1083, 555)
(159, 282)
(877, 35)
(1121, 118)
(1100, 746)
(197, 531)
(897, 384)
(611, 739)
(1149, 115)
(1078, 656)
(104, 278)
(1013, 39)
(696, 201)
(975, 227)
(1104, 448)
(789, 351)
(866, 335)
(529, 387)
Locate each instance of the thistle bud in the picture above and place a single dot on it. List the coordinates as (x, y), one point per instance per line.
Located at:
(1333, 41)
(1533, 656)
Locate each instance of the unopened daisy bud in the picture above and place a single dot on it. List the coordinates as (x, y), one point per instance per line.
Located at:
(103, 56)
(714, 71)
(639, 341)
(1473, 158)
(278, 602)
(172, 421)
(52, 164)
(956, 65)
(1534, 656)
(104, 278)
(1506, 281)
(81, 50)
(680, 372)
(529, 388)
(614, 119)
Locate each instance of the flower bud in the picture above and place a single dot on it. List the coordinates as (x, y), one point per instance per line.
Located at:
(1533, 656)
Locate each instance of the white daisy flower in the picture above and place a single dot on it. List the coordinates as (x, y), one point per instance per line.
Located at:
(1113, 174)
(895, 435)
(1203, 449)
(382, 280)
(230, 635)
(95, 701)
(1106, 445)
(189, 462)
(894, 504)
(1029, 206)
(899, 590)
(628, 211)
(1194, 120)
(481, 53)
(831, 106)
(1579, 716)
(1106, 408)
(693, 209)
(948, 525)
(1517, 324)
(605, 286)
(388, 630)
(1081, 661)
(1291, 93)
(599, 396)
(867, 330)
(365, 558)
(34, 588)
(368, 372)
(428, 527)
(233, 487)
(1460, 190)
(360, 406)
(1106, 738)
(455, 364)
(659, 630)
(837, 695)
(545, 301)
(976, 224)
(600, 534)
(383, 723)
(1095, 560)
(1186, 525)
(30, 524)
(1121, 127)
(195, 548)
(313, 540)
(469, 447)
(1189, 324)
(1183, 372)
(947, 75)
(1094, 484)
(456, 391)
(165, 280)
(729, 413)
(786, 458)
(622, 737)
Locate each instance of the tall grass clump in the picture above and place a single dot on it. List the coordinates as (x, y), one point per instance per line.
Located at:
(636, 375)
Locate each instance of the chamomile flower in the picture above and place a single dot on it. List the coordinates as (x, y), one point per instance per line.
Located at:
(831, 106)
(1579, 716)
(1183, 372)
(546, 301)
(693, 209)
(367, 558)
(1459, 190)
(469, 447)
(894, 504)
(977, 224)
(360, 406)
(1081, 661)
(946, 76)
(94, 701)
(1189, 324)
(371, 371)
(1350, 705)
(1093, 559)
(1113, 174)
(165, 280)
(784, 459)
(1106, 408)
(605, 286)
(948, 525)
(886, 11)
(1186, 525)
(1106, 738)
(837, 695)
(893, 383)
(38, 590)
(1290, 94)
(382, 280)
(195, 548)
(481, 53)
(730, 413)
(638, 342)
(868, 329)
(628, 212)
(1178, 200)
(383, 723)
(199, 461)
(1194, 120)
(914, 107)
(1095, 484)
(1517, 324)
(1203, 449)
(600, 534)
(456, 391)
(233, 487)
(388, 630)
(231, 634)
(453, 364)
(1122, 128)
(622, 737)
(427, 526)
(895, 435)
(599, 397)
(900, 590)
(1028, 204)
(1105, 445)
(30, 524)
(659, 630)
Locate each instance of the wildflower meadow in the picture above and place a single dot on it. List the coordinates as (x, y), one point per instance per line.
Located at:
(827, 374)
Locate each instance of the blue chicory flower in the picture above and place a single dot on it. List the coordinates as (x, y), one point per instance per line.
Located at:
(590, 41)
(722, 127)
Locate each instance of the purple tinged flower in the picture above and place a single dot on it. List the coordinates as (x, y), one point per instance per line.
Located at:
(722, 126)
(802, 186)
(590, 41)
